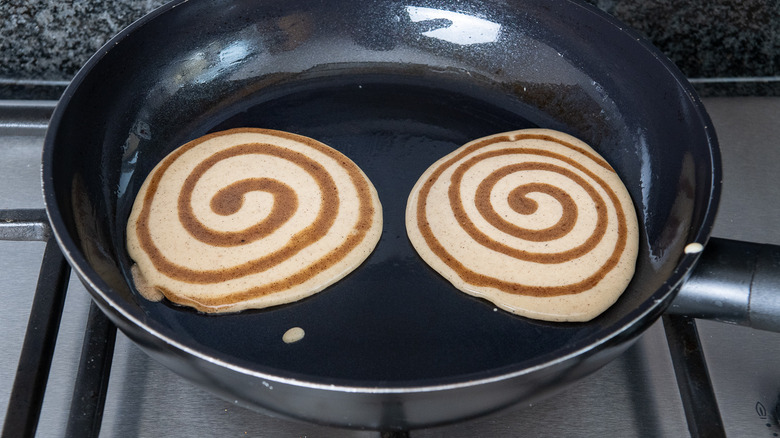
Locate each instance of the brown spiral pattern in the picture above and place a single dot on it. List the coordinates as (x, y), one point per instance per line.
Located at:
(311, 239)
(521, 166)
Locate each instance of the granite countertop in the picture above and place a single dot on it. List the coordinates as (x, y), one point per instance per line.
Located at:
(726, 47)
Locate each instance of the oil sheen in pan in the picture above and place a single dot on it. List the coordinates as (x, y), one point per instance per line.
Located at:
(393, 128)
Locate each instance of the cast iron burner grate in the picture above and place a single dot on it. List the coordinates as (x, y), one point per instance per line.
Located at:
(90, 389)
(24, 407)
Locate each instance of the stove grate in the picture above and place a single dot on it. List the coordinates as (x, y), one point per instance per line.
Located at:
(29, 387)
(91, 387)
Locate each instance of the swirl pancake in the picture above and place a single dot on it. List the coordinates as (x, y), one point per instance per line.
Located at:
(533, 220)
(250, 218)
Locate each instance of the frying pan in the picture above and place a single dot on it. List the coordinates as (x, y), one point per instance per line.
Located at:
(395, 86)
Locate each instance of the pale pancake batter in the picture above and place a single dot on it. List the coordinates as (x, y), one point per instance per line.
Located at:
(533, 220)
(250, 218)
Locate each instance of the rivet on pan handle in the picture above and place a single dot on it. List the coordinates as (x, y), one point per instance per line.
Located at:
(734, 282)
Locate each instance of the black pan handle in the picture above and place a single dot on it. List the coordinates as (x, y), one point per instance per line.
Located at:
(734, 282)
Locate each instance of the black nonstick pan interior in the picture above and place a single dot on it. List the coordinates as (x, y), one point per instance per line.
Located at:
(365, 79)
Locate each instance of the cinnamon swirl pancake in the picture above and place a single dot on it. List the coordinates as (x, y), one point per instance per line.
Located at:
(250, 218)
(533, 220)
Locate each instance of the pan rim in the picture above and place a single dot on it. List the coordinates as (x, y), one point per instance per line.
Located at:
(639, 318)
(458, 382)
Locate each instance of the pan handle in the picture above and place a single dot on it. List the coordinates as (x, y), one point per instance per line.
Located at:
(736, 283)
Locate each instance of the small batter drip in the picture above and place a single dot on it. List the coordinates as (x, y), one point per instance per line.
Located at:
(293, 335)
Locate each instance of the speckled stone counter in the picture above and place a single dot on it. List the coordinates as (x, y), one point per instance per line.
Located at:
(727, 47)
(43, 43)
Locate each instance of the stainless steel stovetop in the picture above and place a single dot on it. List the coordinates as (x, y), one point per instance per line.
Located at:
(637, 395)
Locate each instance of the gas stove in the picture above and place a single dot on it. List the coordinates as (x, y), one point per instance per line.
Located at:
(672, 382)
